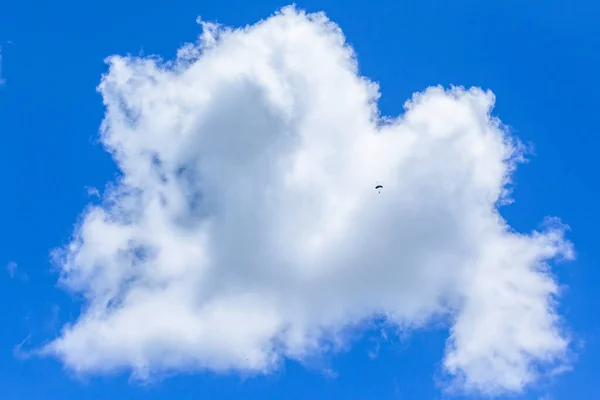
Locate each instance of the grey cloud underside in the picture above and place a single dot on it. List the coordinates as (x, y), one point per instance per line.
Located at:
(245, 227)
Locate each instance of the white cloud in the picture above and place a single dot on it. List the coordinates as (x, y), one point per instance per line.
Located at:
(11, 268)
(14, 271)
(246, 226)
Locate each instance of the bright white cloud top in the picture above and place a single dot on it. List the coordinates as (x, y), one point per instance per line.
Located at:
(246, 227)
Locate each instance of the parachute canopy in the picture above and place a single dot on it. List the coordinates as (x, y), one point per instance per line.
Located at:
(379, 187)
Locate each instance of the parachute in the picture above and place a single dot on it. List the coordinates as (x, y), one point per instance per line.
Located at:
(378, 188)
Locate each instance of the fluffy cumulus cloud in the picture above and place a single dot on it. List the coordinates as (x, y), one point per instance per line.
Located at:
(245, 228)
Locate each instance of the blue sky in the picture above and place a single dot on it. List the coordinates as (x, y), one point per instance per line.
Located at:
(540, 60)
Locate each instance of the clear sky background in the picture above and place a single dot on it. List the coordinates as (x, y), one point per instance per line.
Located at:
(540, 59)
